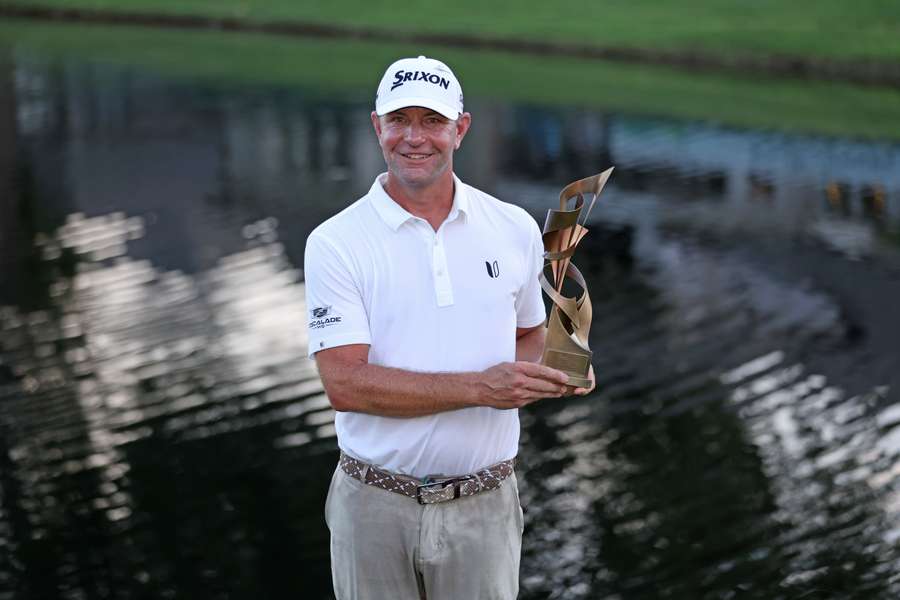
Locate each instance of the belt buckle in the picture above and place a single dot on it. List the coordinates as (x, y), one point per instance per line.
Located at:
(428, 485)
(454, 482)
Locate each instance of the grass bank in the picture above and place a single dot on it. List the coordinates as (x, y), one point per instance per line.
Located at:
(836, 29)
(353, 67)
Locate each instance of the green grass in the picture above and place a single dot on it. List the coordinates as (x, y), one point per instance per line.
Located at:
(837, 29)
(353, 68)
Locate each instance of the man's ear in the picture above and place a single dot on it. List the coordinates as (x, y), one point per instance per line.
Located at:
(376, 123)
(462, 126)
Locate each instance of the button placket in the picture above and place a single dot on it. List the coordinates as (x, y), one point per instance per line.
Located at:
(442, 288)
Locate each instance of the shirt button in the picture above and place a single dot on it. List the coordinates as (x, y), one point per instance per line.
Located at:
(440, 272)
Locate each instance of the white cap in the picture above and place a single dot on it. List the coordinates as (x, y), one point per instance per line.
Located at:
(420, 82)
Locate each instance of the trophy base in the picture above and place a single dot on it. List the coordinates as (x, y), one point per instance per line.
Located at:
(578, 382)
(575, 365)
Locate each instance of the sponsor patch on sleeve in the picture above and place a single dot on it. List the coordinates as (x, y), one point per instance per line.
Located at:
(322, 317)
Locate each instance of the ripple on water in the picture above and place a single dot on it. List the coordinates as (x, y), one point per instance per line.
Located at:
(755, 477)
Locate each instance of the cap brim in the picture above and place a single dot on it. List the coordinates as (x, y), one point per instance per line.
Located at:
(392, 105)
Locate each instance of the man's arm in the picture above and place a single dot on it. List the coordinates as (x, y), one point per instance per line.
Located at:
(352, 384)
(530, 343)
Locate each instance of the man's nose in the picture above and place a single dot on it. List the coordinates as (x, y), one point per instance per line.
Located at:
(415, 134)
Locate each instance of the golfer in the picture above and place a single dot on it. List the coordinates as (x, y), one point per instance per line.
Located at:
(426, 322)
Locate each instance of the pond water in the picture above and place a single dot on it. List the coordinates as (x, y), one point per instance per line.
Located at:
(162, 434)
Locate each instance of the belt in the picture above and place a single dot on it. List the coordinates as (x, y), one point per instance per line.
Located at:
(433, 488)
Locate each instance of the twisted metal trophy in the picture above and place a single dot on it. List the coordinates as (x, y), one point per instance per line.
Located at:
(566, 344)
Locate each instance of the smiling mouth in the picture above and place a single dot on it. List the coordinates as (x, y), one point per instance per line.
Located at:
(416, 156)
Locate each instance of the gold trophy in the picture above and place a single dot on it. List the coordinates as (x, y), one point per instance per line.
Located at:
(566, 344)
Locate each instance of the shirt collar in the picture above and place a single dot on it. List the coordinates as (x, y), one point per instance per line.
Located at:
(395, 215)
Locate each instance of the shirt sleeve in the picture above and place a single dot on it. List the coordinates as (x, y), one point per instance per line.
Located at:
(530, 310)
(335, 309)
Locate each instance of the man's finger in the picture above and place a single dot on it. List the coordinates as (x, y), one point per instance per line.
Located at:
(584, 390)
(543, 372)
(544, 387)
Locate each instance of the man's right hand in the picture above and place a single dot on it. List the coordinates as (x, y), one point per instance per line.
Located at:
(515, 384)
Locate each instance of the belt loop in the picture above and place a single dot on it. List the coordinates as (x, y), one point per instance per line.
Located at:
(364, 472)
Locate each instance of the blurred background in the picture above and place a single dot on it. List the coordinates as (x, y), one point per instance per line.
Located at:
(162, 433)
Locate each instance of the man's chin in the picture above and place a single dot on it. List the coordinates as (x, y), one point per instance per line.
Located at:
(416, 178)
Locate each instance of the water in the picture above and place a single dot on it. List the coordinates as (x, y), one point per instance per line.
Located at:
(162, 434)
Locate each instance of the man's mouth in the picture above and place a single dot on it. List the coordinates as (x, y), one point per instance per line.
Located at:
(416, 156)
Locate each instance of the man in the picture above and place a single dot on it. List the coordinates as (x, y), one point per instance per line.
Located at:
(426, 322)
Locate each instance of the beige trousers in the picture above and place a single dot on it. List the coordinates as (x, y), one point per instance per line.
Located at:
(387, 546)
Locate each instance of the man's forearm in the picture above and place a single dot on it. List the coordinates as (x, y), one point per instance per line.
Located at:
(391, 392)
(530, 345)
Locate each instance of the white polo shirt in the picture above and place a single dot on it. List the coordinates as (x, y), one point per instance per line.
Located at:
(429, 301)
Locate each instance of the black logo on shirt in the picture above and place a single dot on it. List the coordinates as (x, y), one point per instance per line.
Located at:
(321, 318)
(493, 269)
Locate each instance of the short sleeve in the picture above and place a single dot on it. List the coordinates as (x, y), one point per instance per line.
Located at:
(530, 310)
(335, 309)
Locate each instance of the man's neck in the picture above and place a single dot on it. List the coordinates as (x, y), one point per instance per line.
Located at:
(432, 203)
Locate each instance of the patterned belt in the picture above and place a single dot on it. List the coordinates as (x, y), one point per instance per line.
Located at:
(432, 489)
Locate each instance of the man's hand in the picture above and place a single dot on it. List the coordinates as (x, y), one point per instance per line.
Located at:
(515, 384)
(582, 391)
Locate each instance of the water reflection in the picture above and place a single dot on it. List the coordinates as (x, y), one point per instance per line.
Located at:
(164, 436)
(717, 466)
(145, 403)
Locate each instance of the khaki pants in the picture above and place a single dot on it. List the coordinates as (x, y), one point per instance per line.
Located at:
(387, 546)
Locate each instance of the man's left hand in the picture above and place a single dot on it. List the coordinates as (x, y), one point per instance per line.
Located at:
(582, 391)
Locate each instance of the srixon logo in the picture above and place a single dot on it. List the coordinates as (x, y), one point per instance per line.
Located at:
(493, 269)
(401, 77)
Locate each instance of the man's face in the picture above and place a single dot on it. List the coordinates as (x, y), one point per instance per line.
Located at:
(418, 143)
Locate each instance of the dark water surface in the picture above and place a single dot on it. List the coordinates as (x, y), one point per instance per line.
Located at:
(162, 434)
